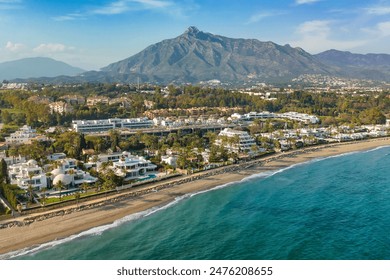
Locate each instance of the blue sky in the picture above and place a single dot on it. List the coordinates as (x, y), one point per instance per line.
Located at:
(94, 33)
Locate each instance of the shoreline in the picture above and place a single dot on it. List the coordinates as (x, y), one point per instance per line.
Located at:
(116, 207)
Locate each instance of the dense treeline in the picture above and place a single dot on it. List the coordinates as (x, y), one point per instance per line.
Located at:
(333, 108)
(9, 193)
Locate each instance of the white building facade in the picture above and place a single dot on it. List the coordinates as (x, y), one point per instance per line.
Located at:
(27, 174)
(95, 126)
(238, 141)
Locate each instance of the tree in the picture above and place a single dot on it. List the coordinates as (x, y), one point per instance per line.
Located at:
(114, 139)
(43, 195)
(77, 197)
(108, 185)
(372, 116)
(59, 186)
(3, 171)
(30, 191)
(84, 186)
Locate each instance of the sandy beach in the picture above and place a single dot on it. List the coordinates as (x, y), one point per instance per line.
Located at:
(58, 227)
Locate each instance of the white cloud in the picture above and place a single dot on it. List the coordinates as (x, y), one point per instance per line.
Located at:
(52, 48)
(302, 2)
(315, 27)
(14, 47)
(382, 29)
(316, 36)
(262, 15)
(378, 11)
(73, 16)
(122, 6)
(10, 4)
(118, 7)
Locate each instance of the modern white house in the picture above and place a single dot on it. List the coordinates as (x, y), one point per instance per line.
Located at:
(124, 164)
(27, 174)
(25, 135)
(238, 141)
(68, 173)
(170, 160)
(133, 167)
(56, 156)
(95, 126)
(12, 159)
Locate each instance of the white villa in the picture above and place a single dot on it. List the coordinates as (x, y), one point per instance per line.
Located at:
(244, 142)
(69, 175)
(28, 173)
(133, 167)
(25, 135)
(124, 164)
(12, 159)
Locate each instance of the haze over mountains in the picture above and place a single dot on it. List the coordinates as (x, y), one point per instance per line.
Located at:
(198, 56)
(36, 67)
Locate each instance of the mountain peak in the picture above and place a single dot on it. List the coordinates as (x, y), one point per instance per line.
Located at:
(192, 30)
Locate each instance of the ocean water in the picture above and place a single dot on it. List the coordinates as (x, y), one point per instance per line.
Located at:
(332, 208)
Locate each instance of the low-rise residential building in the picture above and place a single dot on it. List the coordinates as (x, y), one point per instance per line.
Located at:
(10, 160)
(73, 99)
(124, 164)
(309, 119)
(236, 140)
(95, 126)
(56, 156)
(300, 117)
(25, 135)
(68, 173)
(132, 167)
(60, 107)
(27, 174)
(94, 100)
(170, 160)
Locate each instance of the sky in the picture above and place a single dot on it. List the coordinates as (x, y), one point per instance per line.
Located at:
(94, 33)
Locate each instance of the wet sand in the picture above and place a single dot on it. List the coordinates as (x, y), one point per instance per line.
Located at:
(58, 227)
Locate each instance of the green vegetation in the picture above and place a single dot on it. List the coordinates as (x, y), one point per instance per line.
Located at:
(10, 193)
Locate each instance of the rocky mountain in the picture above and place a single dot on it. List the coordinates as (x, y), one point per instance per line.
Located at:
(36, 67)
(199, 56)
(363, 66)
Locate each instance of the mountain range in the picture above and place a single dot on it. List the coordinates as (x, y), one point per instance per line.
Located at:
(197, 56)
(36, 67)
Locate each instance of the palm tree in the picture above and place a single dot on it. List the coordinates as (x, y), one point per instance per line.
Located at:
(43, 190)
(30, 190)
(84, 186)
(59, 186)
(107, 186)
(77, 197)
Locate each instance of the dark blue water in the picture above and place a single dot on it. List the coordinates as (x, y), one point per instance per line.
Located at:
(335, 208)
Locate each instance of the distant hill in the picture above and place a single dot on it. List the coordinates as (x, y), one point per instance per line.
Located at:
(363, 66)
(198, 56)
(36, 67)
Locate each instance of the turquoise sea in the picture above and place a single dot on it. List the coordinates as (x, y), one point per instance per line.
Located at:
(332, 208)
